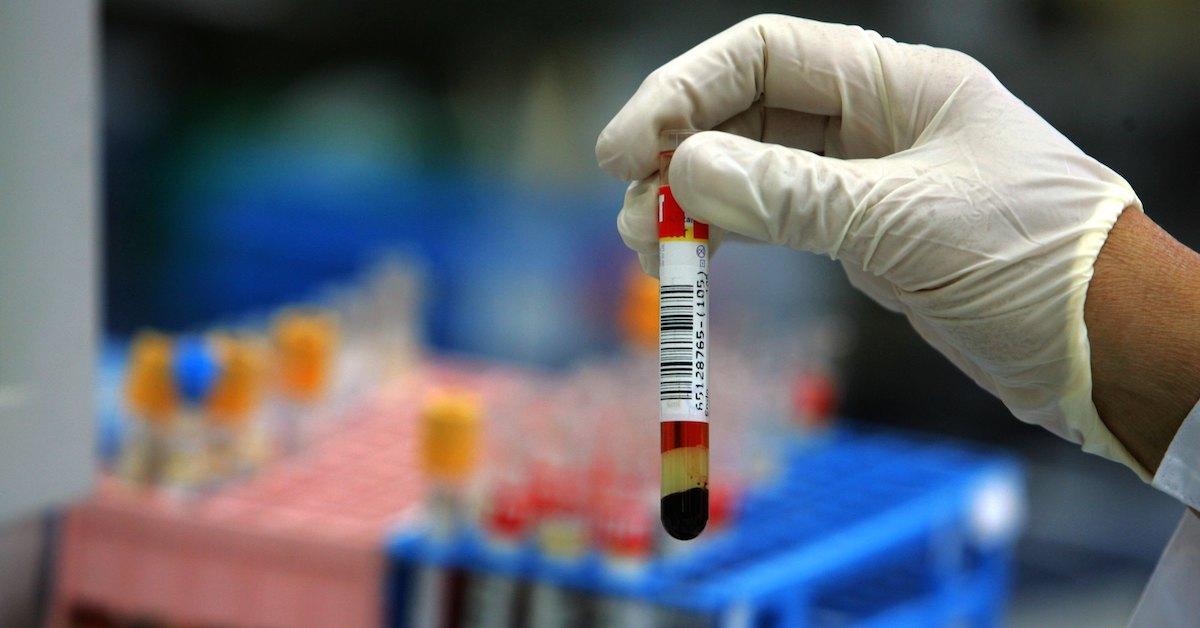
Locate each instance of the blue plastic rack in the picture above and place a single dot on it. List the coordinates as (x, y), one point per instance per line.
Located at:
(864, 529)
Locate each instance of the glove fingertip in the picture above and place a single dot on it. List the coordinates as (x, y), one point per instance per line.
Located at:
(693, 165)
(698, 148)
(618, 154)
(610, 161)
(649, 262)
(704, 173)
(636, 220)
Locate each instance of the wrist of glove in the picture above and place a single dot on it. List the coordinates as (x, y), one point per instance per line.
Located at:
(944, 197)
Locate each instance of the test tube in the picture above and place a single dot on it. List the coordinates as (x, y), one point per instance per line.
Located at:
(304, 345)
(626, 535)
(236, 443)
(449, 443)
(196, 373)
(683, 346)
(152, 400)
(493, 598)
(559, 481)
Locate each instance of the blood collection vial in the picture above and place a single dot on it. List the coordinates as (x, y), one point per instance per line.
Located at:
(684, 340)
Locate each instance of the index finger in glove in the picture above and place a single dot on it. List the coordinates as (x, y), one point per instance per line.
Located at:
(638, 224)
(814, 68)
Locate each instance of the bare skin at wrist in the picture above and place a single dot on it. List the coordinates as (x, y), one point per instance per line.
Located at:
(1143, 320)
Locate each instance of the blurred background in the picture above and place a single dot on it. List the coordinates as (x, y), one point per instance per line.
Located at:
(254, 155)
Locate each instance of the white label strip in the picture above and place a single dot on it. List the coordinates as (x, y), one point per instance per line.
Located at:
(683, 338)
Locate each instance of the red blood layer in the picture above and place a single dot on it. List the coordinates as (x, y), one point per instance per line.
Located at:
(511, 507)
(671, 222)
(683, 434)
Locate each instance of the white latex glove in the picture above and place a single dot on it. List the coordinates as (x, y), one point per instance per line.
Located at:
(943, 195)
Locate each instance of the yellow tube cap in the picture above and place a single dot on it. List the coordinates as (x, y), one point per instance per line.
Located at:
(450, 435)
(149, 384)
(304, 343)
(239, 388)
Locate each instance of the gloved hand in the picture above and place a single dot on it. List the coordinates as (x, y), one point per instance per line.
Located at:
(944, 196)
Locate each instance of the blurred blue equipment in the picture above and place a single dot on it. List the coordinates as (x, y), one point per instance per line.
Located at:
(866, 529)
(196, 369)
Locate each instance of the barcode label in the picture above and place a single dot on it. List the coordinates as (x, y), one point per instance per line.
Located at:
(676, 311)
(683, 331)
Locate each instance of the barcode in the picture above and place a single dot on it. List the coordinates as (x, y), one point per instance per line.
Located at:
(676, 307)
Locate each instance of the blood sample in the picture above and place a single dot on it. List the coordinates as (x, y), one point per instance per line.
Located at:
(625, 523)
(683, 345)
(563, 540)
(494, 599)
(814, 399)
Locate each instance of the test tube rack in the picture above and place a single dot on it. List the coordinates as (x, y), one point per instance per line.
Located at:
(866, 528)
(861, 528)
(298, 544)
